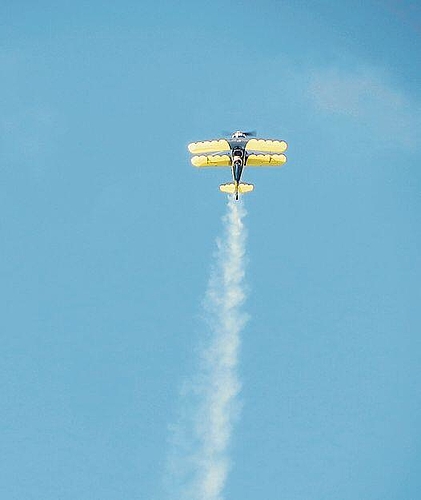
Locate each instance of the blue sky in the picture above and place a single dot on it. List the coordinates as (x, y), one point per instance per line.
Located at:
(108, 235)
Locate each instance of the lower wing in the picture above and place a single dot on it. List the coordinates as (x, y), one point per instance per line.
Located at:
(262, 160)
(211, 161)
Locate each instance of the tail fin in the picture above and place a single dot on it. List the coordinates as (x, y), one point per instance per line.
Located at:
(230, 188)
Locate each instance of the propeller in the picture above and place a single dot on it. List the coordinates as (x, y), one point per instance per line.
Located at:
(250, 133)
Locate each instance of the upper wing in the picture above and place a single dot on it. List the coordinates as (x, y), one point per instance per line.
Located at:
(266, 145)
(211, 161)
(261, 160)
(209, 146)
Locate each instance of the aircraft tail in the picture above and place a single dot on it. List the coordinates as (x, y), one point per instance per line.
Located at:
(230, 188)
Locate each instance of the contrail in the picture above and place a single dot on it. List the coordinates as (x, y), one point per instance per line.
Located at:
(204, 462)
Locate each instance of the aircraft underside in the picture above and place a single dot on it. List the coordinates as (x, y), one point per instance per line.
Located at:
(237, 152)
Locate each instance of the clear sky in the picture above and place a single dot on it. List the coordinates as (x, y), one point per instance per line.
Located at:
(107, 236)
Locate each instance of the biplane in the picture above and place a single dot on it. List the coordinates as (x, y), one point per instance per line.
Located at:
(241, 150)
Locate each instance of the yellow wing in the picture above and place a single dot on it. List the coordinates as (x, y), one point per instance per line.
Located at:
(209, 146)
(261, 160)
(266, 145)
(211, 161)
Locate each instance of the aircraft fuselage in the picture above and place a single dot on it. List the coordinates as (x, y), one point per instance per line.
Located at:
(238, 155)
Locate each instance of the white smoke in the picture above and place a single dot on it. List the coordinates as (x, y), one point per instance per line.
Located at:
(206, 429)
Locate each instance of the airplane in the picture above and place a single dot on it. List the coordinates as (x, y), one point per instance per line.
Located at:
(240, 150)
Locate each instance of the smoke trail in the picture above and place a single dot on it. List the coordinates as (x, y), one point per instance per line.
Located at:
(206, 440)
